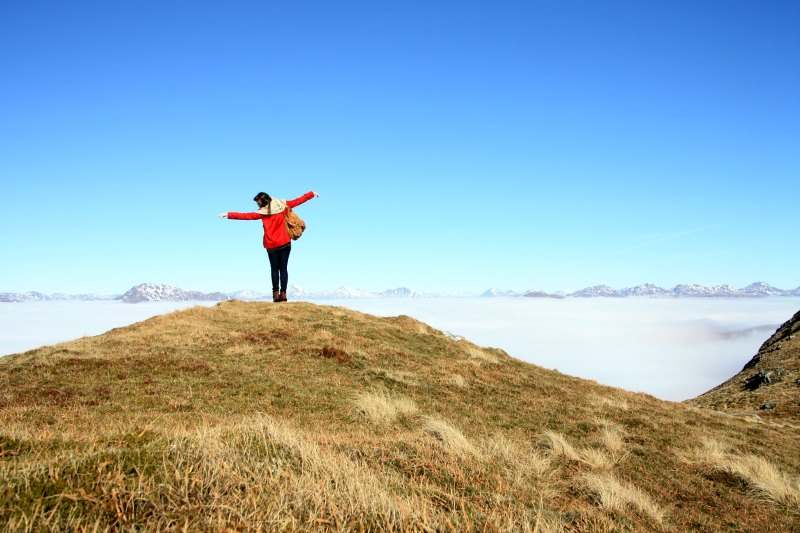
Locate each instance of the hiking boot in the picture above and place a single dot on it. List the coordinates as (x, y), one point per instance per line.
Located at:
(276, 296)
(282, 296)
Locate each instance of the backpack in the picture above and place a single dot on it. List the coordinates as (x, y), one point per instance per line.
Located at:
(295, 225)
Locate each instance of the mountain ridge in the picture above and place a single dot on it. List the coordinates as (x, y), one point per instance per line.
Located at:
(163, 292)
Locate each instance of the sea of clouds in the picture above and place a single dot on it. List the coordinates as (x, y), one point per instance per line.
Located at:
(671, 348)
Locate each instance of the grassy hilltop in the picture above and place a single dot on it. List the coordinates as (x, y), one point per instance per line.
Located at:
(251, 416)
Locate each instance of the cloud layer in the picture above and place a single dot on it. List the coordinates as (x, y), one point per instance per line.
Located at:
(672, 348)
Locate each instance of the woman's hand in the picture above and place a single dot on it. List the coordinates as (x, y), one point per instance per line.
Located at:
(223, 215)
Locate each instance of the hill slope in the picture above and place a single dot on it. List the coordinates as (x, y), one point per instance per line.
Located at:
(298, 416)
(769, 383)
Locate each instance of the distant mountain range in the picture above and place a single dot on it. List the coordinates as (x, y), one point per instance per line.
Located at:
(754, 290)
(152, 292)
(34, 296)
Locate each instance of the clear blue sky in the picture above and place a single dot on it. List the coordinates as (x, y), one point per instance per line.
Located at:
(455, 145)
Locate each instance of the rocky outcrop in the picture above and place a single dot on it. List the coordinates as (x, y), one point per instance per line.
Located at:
(763, 377)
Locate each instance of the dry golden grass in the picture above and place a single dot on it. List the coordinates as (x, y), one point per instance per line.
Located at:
(767, 479)
(260, 474)
(449, 437)
(241, 417)
(609, 401)
(381, 408)
(596, 459)
(457, 380)
(523, 460)
(359, 490)
(500, 448)
(760, 474)
(611, 437)
(616, 495)
(560, 447)
(479, 354)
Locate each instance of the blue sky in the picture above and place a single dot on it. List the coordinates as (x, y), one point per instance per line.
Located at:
(455, 145)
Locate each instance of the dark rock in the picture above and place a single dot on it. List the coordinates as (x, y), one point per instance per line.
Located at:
(767, 406)
(763, 377)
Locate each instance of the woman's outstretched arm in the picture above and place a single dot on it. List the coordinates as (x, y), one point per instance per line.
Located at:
(299, 200)
(243, 216)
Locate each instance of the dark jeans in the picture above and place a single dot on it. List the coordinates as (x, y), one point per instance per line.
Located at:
(278, 263)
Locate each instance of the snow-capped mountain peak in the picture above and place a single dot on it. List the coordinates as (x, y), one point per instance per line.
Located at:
(156, 292)
(760, 288)
(595, 291)
(695, 290)
(492, 293)
(645, 289)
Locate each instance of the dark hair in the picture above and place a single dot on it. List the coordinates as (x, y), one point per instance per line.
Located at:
(262, 199)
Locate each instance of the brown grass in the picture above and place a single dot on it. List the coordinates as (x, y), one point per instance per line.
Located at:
(329, 352)
(457, 380)
(479, 354)
(397, 376)
(610, 401)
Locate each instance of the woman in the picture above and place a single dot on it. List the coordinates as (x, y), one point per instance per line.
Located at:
(272, 213)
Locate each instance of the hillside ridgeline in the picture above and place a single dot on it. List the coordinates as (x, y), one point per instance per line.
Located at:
(769, 384)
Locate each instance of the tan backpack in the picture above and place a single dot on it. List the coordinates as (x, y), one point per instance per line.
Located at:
(295, 225)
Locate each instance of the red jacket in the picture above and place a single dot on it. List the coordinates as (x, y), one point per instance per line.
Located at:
(275, 233)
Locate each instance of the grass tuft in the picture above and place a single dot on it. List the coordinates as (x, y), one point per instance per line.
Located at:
(382, 409)
(450, 437)
(616, 495)
(560, 447)
(764, 477)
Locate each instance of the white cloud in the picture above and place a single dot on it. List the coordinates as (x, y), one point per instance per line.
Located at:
(672, 348)
(27, 325)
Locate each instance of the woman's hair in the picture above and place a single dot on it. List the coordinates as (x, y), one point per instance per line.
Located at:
(262, 199)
